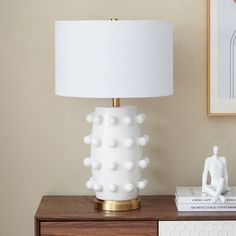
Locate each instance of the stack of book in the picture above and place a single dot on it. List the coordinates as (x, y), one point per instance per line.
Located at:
(192, 199)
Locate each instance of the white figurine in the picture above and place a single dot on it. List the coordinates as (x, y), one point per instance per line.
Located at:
(216, 166)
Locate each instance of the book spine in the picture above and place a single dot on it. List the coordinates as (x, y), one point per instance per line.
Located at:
(195, 200)
(189, 207)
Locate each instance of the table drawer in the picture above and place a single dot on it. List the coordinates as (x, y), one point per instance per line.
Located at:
(197, 228)
(99, 228)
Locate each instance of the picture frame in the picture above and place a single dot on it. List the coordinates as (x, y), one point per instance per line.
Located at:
(221, 57)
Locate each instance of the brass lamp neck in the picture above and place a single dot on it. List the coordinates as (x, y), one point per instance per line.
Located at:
(115, 102)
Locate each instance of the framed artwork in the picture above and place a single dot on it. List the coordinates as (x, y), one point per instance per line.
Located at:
(222, 57)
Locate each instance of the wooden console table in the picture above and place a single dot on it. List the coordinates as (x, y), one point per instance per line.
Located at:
(75, 216)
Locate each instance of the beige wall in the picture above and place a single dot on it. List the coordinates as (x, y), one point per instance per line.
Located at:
(41, 135)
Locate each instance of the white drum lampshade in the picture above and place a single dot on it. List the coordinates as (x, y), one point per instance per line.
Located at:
(115, 59)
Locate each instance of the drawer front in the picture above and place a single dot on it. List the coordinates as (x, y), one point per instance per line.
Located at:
(197, 228)
(99, 228)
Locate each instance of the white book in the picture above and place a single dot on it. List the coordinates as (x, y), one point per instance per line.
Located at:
(195, 195)
(205, 207)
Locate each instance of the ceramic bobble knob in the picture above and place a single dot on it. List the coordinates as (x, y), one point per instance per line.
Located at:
(129, 165)
(112, 143)
(113, 188)
(112, 166)
(96, 165)
(97, 120)
(89, 184)
(96, 142)
(144, 163)
(140, 118)
(128, 120)
(90, 117)
(129, 187)
(97, 187)
(87, 161)
(129, 142)
(87, 139)
(112, 120)
(142, 184)
(143, 140)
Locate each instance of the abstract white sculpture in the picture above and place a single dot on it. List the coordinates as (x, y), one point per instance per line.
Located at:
(216, 166)
(115, 59)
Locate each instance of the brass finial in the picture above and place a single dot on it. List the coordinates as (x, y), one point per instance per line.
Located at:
(115, 102)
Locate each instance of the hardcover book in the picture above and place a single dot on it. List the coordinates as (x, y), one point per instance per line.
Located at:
(205, 207)
(194, 195)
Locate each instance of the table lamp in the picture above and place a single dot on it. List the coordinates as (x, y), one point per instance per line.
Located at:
(115, 59)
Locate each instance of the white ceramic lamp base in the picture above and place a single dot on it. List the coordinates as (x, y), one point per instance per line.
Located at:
(116, 157)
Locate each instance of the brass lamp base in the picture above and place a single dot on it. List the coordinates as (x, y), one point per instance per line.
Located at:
(126, 205)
